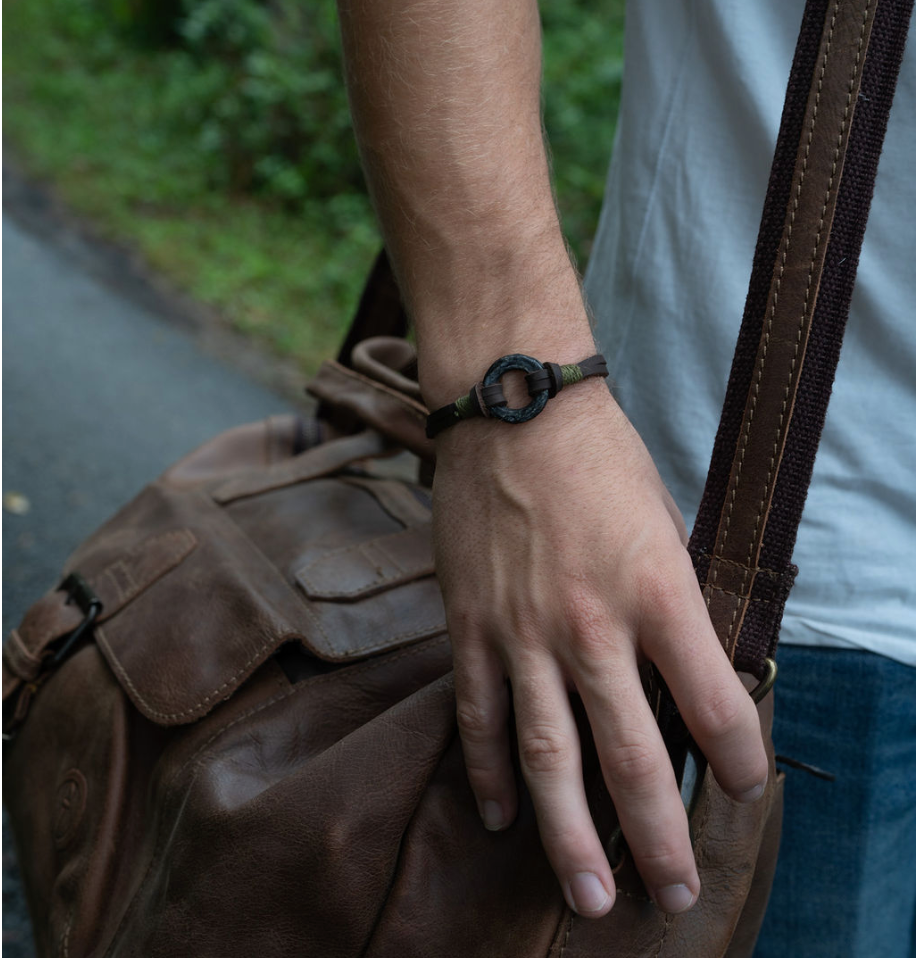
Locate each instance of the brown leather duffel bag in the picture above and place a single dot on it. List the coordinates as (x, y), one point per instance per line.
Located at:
(257, 751)
(231, 731)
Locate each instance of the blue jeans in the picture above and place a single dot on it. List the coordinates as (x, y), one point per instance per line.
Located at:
(845, 885)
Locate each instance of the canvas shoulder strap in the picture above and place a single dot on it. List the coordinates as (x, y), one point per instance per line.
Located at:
(832, 129)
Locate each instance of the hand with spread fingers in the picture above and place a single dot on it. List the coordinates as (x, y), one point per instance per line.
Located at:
(562, 561)
(560, 555)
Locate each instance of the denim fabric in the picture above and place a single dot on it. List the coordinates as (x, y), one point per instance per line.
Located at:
(845, 885)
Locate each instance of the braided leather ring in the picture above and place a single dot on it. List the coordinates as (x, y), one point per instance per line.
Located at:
(495, 373)
(544, 381)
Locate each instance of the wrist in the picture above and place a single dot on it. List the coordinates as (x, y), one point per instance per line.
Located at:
(469, 307)
(446, 376)
(585, 409)
(546, 320)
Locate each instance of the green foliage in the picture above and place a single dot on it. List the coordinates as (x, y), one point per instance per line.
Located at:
(583, 57)
(215, 135)
(263, 89)
(147, 23)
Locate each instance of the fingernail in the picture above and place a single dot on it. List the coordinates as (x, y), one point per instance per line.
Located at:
(754, 794)
(586, 893)
(492, 814)
(674, 899)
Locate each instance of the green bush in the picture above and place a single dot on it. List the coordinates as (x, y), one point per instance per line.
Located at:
(263, 91)
(214, 135)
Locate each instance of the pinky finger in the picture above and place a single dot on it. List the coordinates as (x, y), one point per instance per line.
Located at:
(483, 723)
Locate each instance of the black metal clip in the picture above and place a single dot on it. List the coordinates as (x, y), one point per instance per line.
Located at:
(78, 590)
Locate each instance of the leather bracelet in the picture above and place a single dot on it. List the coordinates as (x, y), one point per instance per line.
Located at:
(486, 399)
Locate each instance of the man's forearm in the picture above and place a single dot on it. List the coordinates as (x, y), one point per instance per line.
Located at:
(560, 556)
(446, 104)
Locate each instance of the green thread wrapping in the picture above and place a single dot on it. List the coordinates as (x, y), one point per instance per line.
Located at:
(571, 374)
(464, 408)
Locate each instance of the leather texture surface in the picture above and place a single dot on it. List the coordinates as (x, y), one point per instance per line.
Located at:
(256, 752)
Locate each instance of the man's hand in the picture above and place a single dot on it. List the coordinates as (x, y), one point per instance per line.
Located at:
(560, 554)
(562, 561)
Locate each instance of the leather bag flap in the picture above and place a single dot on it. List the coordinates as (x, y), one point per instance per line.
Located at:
(329, 564)
(368, 567)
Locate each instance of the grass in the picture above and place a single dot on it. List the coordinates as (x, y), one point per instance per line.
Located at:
(105, 121)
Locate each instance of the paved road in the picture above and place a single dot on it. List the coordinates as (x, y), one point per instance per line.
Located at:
(100, 395)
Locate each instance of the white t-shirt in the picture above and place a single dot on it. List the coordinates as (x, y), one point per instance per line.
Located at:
(704, 85)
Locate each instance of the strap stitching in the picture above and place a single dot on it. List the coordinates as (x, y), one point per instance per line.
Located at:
(717, 588)
(770, 320)
(777, 285)
(758, 570)
(810, 274)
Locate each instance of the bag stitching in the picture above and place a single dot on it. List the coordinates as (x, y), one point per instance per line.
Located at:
(566, 938)
(64, 942)
(395, 498)
(778, 281)
(789, 226)
(303, 574)
(666, 926)
(810, 283)
(166, 716)
(101, 639)
(261, 651)
(258, 482)
(384, 643)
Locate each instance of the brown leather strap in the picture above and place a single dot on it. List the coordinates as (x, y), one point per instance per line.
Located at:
(379, 313)
(315, 462)
(828, 147)
(392, 412)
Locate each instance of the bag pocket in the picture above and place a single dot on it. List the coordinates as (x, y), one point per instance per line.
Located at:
(339, 565)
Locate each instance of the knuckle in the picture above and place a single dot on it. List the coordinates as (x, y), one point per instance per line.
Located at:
(465, 621)
(590, 643)
(589, 621)
(483, 774)
(721, 712)
(562, 841)
(658, 856)
(543, 751)
(662, 587)
(475, 722)
(632, 762)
